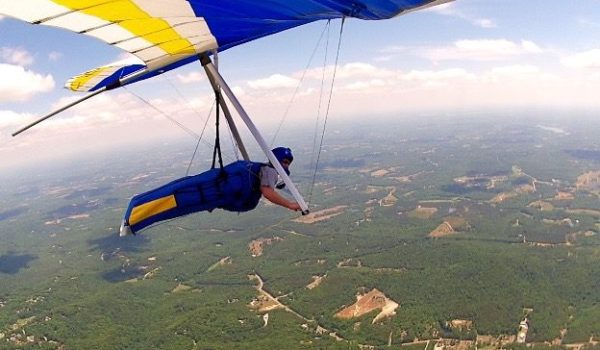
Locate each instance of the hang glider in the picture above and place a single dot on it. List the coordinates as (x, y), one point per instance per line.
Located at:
(166, 34)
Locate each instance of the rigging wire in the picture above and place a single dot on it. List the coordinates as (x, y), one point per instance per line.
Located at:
(337, 56)
(234, 145)
(189, 131)
(164, 114)
(188, 104)
(285, 114)
(187, 172)
(322, 88)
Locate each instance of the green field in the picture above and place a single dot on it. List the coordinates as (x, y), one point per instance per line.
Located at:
(67, 281)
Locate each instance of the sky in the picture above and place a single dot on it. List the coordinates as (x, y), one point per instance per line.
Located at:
(468, 55)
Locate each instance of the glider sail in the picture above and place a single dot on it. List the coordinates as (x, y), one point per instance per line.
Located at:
(165, 34)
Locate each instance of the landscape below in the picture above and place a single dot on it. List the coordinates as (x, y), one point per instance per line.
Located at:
(424, 234)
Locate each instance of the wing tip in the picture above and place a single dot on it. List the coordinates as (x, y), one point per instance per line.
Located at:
(102, 76)
(125, 230)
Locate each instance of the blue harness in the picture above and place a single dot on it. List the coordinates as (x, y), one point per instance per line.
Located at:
(235, 187)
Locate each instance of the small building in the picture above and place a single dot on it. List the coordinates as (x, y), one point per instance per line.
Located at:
(522, 334)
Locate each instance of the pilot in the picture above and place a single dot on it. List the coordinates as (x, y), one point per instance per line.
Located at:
(236, 187)
(269, 179)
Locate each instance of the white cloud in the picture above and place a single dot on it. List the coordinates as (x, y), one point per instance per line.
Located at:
(199, 103)
(512, 73)
(358, 91)
(238, 91)
(359, 69)
(530, 47)
(112, 110)
(18, 56)
(10, 119)
(587, 23)
(390, 53)
(430, 89)
(485, 23)
(583, 60)
(350, 70)
(19, 84)
(102, 109)
(481, 50)
(449, 9)
(445, 74)
(102, 122)
(191, 77)
(365, 85)
(55, 56)
(275, 81)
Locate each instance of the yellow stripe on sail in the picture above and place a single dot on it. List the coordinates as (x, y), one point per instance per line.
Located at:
(77, 82)
(155, 207)
(132, 18)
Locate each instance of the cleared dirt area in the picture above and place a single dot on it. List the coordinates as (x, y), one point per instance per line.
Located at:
(503, 196)
(565, 221)
(403, 179)
(444, 229)
(512, 194)
(321, 215)
(589, 181)
(461, 324)
(151, 273)
(592, 212)
(380, 173)
(450, 225)
(390, 199)
(316, 281)
(408, 178)
(350, 262)
(422, 212)
(458, 223)
(561, 195)
(181, 288)
(572, 237)
(263, 303)
(223, 261)
(541, 205)
(366, 303)
(526, 188)
(256, 246)
(373, 189)
(471, 181)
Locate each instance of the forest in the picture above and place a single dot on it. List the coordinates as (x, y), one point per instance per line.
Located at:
(520, 240)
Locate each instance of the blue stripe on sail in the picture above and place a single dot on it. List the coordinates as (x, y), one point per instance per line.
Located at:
(234, 22)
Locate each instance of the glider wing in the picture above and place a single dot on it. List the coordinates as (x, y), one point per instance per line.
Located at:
(165, 34)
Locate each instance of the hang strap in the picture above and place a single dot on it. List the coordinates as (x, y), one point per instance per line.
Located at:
(217, 148)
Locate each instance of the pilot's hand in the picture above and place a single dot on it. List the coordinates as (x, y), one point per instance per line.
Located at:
(294, 206)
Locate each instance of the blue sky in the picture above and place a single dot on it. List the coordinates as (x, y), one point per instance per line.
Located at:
(479, 55)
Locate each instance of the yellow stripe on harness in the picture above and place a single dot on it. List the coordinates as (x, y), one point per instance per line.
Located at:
(151, 208)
